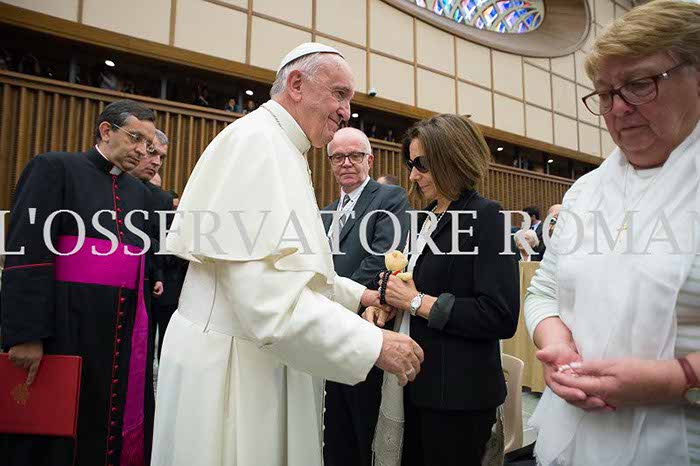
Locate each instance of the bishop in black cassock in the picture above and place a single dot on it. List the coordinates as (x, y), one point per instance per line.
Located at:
(85, 304)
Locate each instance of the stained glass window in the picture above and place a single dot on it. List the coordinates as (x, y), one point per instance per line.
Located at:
(504, 16)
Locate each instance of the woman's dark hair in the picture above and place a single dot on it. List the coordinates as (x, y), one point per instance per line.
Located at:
(457, 153)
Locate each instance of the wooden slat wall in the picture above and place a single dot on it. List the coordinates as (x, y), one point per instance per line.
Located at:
(39, 115)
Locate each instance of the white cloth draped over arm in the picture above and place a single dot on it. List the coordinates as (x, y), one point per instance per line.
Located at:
(304, 329)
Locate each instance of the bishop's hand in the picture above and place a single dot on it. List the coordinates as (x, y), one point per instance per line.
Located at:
(28, 356)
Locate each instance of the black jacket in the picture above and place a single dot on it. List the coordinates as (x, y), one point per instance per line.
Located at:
(540, 249)
(356, 263)
(171, 269)
(462, 367)
(160, 201)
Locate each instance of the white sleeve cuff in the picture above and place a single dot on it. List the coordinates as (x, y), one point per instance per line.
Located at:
(347, 293)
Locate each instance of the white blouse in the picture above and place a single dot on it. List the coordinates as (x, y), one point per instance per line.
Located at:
(541, 300)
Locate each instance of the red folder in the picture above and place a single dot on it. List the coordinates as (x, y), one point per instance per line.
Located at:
(49, 406)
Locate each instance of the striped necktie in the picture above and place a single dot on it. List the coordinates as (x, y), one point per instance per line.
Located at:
(344, 217)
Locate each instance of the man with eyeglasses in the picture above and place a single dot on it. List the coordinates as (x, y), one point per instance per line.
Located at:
(351, 411)
(167, 271)
(146, 171)
(88, 303)
(263, 318)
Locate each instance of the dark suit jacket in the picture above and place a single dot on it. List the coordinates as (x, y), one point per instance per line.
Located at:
(358, 264)
(172, 268)
(462, 367)
(541, 247)
(161, 201)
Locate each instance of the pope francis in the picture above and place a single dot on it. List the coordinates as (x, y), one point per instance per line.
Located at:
(263, 318)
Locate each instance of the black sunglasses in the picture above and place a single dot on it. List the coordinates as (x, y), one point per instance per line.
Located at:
(420, 163)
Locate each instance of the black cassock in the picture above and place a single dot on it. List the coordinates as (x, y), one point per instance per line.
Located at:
(78, 317)
(170, 269)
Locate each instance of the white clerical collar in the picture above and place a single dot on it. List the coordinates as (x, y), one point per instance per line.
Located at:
(646, 173)
(355, 193)
(115, 170)
(289, 125)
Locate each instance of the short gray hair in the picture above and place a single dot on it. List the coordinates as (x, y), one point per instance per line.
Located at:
(308, 64)
(660, 26)
(161, 137)
(357, 133)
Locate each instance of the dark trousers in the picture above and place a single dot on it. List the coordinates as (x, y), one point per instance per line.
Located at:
(350, 417)
(162, 314)
(445, 438)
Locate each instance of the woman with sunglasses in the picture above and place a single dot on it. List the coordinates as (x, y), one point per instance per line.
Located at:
(618, 320)
(463, 298)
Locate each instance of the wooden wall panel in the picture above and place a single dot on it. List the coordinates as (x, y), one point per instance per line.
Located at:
(39, 115)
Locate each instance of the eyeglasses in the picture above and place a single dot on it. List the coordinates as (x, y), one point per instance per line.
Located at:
(637, 92)
(339, 159)
(155, 153)
(137, 139)
(420, 163)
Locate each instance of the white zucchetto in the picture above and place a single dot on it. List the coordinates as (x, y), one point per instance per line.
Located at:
(307, 48)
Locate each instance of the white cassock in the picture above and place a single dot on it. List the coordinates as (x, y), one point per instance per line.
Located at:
(260, 323)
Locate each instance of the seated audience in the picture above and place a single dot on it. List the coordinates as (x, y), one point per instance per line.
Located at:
(232, 106)
(202, 96)
(249, 106)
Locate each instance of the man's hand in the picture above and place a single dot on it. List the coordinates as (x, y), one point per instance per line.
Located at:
(158, 289)
(379, 316)
(400, 356)
(555, 356)
(28, 356)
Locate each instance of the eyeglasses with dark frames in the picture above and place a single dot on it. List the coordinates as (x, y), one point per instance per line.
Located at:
(420, 163)
(339, 159)
(138, 139)
(637, 92)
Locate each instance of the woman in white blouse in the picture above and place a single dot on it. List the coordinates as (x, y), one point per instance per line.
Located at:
(615, 306)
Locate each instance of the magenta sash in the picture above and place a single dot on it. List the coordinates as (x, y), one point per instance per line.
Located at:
(118, 270)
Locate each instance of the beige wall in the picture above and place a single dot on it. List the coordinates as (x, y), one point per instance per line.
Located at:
(406, 60)
(148, 20)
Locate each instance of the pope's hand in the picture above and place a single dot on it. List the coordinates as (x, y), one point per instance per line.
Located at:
(400, 356)
(370, 298)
